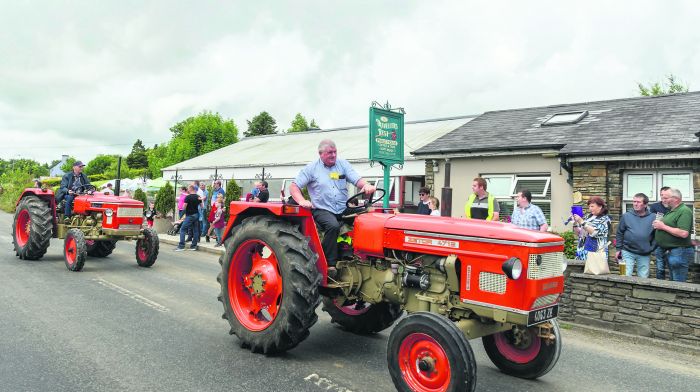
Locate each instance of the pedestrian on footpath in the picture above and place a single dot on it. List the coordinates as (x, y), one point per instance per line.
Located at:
(659, 209)
(424, 199)
(191, 219)
(181, 202)
(481, 204)
(434, 205)
(527, 215)
(673, 234)
(263, 194)
(634, 239)
(219, 220)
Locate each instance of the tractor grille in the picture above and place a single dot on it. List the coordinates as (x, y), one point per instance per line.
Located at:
(545, 300)
(492, 283)
(129, 227)
(551, 265)
(129, 212)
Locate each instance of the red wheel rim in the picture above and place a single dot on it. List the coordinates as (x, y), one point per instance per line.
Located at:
(255, 285)
(141, 250)
(23, 227)
(71, 250)
(521, 354)
(423, 363)
(353, 309)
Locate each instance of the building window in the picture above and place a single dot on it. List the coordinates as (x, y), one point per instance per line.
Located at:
(565, 118)
(651, 182)
(504, 187)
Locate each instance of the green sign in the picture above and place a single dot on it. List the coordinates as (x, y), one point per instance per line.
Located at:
(385, 136)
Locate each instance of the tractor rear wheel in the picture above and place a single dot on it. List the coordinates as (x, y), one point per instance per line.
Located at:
(523, 353)
(269, 285)
(427, 352)
(32, 228)
(360, 317)
(147, 248)
(100, 248)
(74, 250)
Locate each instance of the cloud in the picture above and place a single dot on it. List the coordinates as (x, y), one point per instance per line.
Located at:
(87, 78)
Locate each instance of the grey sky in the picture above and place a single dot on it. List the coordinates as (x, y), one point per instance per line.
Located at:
(84, 78)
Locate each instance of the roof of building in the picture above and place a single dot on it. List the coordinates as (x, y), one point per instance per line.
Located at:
(300, 148)
(630, 125)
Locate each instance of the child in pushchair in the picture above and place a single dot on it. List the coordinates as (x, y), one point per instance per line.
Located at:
(175, 230)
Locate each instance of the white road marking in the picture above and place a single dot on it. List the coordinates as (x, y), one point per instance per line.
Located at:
(324, 383)
(136, 297)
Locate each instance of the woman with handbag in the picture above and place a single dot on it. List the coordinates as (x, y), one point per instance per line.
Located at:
(593, 233)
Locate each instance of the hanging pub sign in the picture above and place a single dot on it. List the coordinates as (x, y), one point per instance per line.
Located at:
(385, 136)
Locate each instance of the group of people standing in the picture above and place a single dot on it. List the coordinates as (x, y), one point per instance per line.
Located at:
(662, 229)
(201, 211)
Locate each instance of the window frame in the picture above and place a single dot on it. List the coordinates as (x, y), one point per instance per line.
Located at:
(581, 116)
(657, 184)
(536, 198)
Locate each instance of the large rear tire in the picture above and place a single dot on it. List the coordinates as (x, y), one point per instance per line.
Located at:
(32, 228)
(147, 248)
(74, 250)
(269, 285)
(528, 356)
(101, 248)
(428, 353)
(362, 318)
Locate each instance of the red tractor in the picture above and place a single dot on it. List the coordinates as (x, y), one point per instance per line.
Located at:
(457, 279)
(97, 223)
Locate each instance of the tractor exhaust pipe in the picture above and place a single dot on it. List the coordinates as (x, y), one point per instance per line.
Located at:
(119, 176)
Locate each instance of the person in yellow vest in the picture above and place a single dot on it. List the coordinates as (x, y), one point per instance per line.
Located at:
(481, 204)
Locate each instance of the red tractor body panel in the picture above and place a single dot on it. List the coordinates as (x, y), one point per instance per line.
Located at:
(44, 194)
(127, 212)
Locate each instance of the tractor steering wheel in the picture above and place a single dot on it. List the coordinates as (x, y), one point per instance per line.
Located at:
(83, 189)
(354, 205)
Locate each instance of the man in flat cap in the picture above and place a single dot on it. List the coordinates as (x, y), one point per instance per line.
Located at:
(70, 184)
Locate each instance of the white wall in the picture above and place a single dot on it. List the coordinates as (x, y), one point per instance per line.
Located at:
(464, 170)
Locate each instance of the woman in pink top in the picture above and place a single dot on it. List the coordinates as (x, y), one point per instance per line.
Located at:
(181, 202)
(219, 219)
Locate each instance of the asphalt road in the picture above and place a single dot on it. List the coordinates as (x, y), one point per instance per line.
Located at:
(117, 327)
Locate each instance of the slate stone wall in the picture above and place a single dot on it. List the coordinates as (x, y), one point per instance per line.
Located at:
(645, 307)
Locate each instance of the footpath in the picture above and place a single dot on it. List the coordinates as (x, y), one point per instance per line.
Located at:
(204, 246)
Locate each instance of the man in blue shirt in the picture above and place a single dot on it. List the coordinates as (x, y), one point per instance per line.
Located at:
(326, 180)
(527, 215)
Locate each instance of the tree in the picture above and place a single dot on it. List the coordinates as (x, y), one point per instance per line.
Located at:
(139, 194)
(28, 166)
(68, 166)
(100, 164)
(671, 87)
(313, 124)
(299, 124)
(233, 192)
(138, 159)
(199, 135)
(262, 124)
(165, 200)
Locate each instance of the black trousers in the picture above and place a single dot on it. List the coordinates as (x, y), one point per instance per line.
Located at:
(330, 225)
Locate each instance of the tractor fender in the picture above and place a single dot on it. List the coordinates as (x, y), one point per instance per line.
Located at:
(46, 195)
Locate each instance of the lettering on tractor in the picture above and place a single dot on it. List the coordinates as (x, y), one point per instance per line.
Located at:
(457, 279)
(97, 223)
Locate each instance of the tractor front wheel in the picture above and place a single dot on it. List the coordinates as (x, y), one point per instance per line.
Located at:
(32, 228)
(427, 352)
(75, 250)
(147, 248)
(269, 285)
(100, 248)
(522, 352)
(360, 317)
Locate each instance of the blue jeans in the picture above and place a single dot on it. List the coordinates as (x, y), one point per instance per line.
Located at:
(661, 261)
(641, 261)
(219, 233)
(678, 262)
(191, 221)
(69, 205)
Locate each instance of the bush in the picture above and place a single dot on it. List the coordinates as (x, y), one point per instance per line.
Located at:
(569, 244)
(165, 200)
(13, 184)
(51, 182)
(139, 194)
(233, 192)
(97, 177)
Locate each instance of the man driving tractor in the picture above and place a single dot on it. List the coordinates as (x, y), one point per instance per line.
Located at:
(71, 183)
(326, 180)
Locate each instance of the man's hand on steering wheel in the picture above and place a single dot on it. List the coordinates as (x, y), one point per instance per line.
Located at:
(369, 189)
(306, 204)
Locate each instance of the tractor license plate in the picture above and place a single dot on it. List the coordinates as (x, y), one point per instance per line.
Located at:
(542, 315)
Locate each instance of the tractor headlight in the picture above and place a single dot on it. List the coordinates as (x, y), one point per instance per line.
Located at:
(512, 267)
(109, 212)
